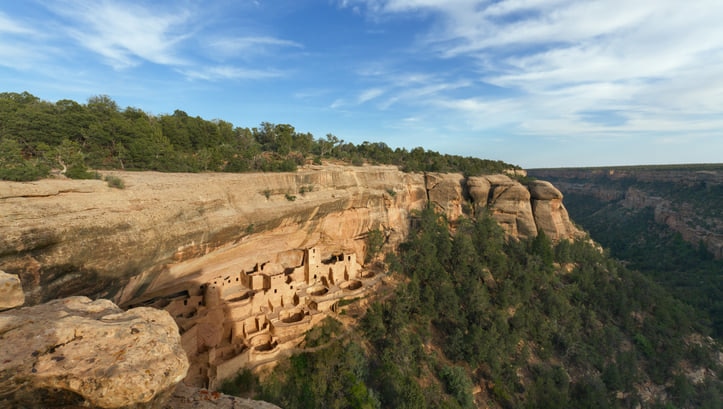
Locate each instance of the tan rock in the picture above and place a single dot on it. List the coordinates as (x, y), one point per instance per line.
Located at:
(11, 291)
(550, 213)
(479, 190)
(507, 201)
(76, 351)
(445, 193)
(188, 397)
(543, 190)
(69, 237)
(227, 255)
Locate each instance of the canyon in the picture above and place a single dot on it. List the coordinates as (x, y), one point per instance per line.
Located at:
(245, 264)
(686, 199)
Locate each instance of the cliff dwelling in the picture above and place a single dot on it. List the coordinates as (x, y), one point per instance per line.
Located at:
(251, 317)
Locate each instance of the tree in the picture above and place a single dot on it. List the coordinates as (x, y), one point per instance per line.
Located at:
(375, 241)
(13, 166)
(70, 156)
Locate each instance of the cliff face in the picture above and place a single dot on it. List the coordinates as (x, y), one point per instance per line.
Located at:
(80, 237)
(244, 263)
(688, 201)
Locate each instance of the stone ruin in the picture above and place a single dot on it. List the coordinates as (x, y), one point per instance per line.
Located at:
(255, 316)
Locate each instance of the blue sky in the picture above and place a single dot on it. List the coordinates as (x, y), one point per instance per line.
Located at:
(539, 83)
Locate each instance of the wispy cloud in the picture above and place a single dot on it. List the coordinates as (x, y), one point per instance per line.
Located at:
(12, 26)
(655, 65)
(28, 46)
(126, 34)
(369, 95)
(252, 45)
(225, 72)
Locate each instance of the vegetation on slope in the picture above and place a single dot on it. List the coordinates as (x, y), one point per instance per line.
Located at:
(688, 272)
(524, 323)
(36, 136)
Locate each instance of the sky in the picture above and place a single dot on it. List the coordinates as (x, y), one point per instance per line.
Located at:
(536, 83)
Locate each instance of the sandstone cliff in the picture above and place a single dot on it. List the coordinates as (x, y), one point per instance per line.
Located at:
(80, 237)
(244, 263)
(685, 199)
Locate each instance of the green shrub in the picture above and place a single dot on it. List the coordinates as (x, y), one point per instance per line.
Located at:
(115, 182)
(244, 384)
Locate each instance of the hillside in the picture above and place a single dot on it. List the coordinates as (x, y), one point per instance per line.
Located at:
(666, 221)
(478, 321)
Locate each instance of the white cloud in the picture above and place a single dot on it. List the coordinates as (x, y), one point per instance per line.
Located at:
(241, 46)
(338, 103)
(225, 72)
(12, 26)
(369, 95)
(656, 63)
(126, 34)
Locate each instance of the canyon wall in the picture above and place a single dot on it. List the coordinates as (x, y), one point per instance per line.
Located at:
(80, 237)
(686, 200)
(244, 263)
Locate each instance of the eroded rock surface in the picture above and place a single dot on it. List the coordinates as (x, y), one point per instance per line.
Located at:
(685, 200)
(75, 351)
(11, 291)
(187, 397)
(507, 200)
(80, 237)
(550, 214)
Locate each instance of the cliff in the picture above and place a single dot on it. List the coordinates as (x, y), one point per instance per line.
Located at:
(80, 237)
(244, 263)
(686, 199)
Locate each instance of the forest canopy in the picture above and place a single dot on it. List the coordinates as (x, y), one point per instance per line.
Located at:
(37, 136)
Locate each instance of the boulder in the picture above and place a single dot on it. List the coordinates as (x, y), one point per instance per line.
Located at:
(508, 202)
(543, 190)
(11, 291)
(79, 352)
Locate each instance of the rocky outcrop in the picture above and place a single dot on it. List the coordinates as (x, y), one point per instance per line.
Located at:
(686, 199)
(11, 291)
(75, 351)
(550, 214)
(445, 193)
(80, 237)
(69, 237)
(187, 397)
(522, 210)
(509, 203)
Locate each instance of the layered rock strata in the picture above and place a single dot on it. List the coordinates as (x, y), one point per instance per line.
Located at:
(80, 237)
(245, 263)
(637, 188)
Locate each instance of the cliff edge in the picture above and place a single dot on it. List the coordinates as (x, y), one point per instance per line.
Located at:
(80, 237)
